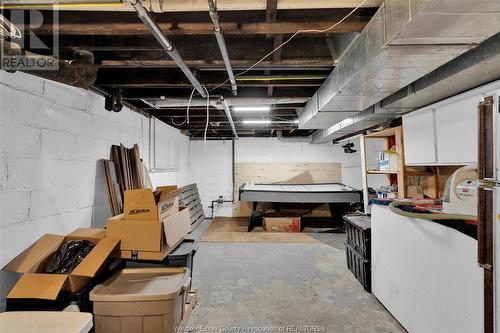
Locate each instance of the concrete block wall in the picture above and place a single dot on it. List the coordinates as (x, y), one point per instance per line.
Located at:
(211, 168)
(51, 138)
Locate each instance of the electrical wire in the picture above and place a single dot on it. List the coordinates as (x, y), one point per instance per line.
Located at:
(208, 118)
(290, 38)
(173, 122)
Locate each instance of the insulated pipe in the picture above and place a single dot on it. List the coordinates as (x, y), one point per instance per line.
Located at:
(212, 9)
(79, 72)
(153, 27)
(229, 117)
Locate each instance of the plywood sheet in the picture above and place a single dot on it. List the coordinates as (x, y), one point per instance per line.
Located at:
(231, 229)
(286, 173)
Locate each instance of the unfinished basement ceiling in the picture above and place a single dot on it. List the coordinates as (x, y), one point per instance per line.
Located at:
(131, 61)
(324, 85)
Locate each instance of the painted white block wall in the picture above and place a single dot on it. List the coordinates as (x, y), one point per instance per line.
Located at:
(211, 169)
(51, 138)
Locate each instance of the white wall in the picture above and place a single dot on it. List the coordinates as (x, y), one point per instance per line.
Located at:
(211, 169)
(51, 137)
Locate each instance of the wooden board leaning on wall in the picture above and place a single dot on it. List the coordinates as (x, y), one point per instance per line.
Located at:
(289, 173)
(125, 170)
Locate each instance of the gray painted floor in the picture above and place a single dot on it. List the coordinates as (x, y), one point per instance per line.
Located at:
(265, 287)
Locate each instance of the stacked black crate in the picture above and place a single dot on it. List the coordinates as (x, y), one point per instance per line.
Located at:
(358, 248)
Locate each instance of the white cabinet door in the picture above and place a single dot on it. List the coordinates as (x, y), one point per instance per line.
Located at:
(419, 138)
(456, 131)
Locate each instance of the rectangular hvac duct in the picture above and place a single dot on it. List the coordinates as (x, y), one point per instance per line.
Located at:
(404, 41)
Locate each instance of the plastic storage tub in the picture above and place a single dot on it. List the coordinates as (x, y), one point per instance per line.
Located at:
(358, 231)
(141, 300)
(182, 256)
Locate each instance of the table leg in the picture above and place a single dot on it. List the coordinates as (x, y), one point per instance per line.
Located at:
(338, 210)
(253, 217)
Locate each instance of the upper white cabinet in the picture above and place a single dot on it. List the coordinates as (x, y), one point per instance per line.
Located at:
(456, 131)
(446, 132)
(419, 137)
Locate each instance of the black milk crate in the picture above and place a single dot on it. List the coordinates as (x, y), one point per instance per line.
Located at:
(358, 231)
(360, 267)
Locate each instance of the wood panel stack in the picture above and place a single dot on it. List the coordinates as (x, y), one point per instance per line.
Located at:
(190, 198)
(125, 170)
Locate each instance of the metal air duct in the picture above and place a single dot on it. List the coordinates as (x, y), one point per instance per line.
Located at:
(404, 41)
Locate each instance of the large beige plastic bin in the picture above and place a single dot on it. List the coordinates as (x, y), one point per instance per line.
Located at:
(141, 300)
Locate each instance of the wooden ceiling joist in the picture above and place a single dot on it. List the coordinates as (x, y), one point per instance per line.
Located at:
(229, 28)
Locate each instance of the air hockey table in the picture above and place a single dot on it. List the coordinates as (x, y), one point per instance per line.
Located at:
(338, 196)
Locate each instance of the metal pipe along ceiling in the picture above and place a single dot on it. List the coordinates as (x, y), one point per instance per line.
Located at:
(229, 117)
(212, 9)
(156, 31)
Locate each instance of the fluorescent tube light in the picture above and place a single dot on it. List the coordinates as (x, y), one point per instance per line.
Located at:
(268, 122)
(256, 122)
(256, 108)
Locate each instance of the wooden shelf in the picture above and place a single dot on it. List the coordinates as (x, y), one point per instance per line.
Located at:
(380, 172)
(385, 133)
(399, 176)
(419, 173)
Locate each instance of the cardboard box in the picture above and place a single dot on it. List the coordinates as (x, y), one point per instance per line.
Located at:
(388, 160)
(144, 205)
(88, 232)
(149, 239)
(32, 262)
(282, 224)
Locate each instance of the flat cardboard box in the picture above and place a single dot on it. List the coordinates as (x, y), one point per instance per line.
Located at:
(282, 224)
(89, 232)
(32, 262)
(176, 227)
(146, 205)
(149, 240)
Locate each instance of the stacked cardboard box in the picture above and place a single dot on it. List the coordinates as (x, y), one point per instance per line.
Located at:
(152, 224)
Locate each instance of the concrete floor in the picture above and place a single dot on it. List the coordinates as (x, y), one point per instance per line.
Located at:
(264, 287)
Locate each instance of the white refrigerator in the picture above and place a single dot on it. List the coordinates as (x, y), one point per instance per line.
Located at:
(489, 208)
(496, 209)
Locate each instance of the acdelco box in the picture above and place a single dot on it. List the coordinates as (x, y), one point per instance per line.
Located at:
(149, 239)
(148, 205)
